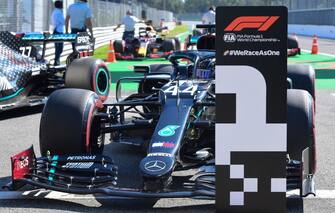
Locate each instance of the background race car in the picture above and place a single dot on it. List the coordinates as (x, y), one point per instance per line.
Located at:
(293, 48)
(26, 78)
(147, 44)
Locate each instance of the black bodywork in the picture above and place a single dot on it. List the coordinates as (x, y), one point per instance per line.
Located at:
(173, 118)
(293, 47)
(26, 78)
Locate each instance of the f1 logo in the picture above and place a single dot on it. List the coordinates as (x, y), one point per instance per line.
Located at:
(261, 23)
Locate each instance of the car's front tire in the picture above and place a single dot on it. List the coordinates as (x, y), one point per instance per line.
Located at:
(69, 125)
(301, 126)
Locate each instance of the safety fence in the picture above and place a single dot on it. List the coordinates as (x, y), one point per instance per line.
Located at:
(34, 15)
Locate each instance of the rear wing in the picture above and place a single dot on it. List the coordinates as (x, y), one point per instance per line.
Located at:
(34, 44)
(47, 37)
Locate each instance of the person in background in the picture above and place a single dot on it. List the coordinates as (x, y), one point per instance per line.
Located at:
(80, 16)
(129, 22)
(209, 16)
(57, 19)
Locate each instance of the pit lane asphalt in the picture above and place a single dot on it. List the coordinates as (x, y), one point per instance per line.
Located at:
(20, 128)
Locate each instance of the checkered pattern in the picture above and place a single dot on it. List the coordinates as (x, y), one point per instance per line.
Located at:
(249, 185)
(15, 69)
(249, 149)
(14, 43)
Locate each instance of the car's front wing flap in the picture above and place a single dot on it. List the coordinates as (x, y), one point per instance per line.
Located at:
(96, 174)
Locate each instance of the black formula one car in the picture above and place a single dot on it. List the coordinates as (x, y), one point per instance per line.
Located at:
(293, 47)
(27, 79)
(172, 116)
(146, 44)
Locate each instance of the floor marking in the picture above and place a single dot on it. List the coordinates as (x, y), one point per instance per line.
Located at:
(325, 194)
(320, 194)
(42, 194)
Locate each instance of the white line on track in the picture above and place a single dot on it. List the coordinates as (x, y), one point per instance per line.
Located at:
(320, 194)
(41, 194)
(325, 194)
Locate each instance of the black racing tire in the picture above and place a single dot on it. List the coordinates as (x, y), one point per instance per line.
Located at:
(118, 46)
(169, 45)
(292, 43)
(301, 125)
(90, 74)
(177, 43)
(302, 77)
(68, 124)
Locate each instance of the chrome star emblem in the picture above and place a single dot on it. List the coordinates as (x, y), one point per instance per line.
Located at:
(155, 166)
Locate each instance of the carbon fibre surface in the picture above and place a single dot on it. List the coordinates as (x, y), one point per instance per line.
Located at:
(15, 69)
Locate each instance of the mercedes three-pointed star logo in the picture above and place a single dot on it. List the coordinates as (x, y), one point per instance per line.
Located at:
(155, 166)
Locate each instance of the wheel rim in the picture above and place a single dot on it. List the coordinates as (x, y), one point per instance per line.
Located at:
(101, 81)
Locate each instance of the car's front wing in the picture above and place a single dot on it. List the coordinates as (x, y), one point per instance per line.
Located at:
(94, 174)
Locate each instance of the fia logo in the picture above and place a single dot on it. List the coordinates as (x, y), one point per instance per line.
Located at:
(229, 37)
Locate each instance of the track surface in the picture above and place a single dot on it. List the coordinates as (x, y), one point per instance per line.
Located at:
(19, 129)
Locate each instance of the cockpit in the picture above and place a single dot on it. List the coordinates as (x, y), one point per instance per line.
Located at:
(196, 65)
